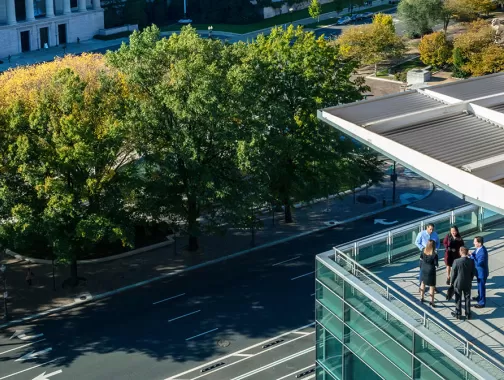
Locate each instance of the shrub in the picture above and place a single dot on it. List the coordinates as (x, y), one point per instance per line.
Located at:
(435, 49)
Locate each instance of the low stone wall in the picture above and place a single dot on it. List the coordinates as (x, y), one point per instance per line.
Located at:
(119, 29)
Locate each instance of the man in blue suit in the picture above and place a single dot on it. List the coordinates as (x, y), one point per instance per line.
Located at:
(480, 257)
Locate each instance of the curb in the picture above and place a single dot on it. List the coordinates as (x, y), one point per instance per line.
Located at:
(383, 79)
(95, 261)
(92, 298)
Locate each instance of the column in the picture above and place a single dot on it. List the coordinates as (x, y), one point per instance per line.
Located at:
(11, 12)
(96, 4)
(30, 14)
(49, 6)
(82, 6)
(67, 8)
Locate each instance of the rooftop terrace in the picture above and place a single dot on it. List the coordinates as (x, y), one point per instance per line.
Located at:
(387, 263)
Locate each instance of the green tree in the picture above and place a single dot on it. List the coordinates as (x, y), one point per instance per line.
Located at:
(458, 64)
(371, 44)
(70, 150)
(420, 16)
(185, 113)
(315, 9)
(435, 49)
(292, 74)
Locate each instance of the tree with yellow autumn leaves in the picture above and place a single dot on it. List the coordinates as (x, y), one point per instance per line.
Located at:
(372, 43)
(64, 158)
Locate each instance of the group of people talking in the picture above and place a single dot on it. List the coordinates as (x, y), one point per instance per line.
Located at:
(461, 267)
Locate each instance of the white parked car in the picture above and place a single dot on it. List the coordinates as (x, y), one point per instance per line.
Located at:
(344, 20)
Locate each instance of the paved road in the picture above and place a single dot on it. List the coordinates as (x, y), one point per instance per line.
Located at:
(187, 322)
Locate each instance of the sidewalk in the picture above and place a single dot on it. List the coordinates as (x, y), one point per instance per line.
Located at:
(105, 277)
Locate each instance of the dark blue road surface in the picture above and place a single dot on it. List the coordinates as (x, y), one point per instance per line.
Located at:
(172, 326)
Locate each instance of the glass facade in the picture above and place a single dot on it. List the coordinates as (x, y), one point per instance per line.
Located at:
(356, 338)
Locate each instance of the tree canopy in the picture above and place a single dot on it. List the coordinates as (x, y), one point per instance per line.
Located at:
(372, 43)
(292, 74)
(185, 130)
(420, 16)
(66, 156)
(435, 49)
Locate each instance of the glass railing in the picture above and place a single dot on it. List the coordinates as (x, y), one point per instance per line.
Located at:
(387, 247)
(412, 309)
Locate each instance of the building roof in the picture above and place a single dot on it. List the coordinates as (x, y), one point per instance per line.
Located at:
(455, 139)
(472, 88)
(452, 134)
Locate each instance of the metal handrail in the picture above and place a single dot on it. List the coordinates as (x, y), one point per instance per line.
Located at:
(426, 316)
(405, 225)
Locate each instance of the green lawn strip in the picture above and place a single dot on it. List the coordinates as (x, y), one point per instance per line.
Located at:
(409, 65)
(270, 22)
(331, 21)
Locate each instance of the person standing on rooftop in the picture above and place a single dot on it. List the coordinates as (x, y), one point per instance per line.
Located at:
(480, 257)
(452, 243)
(421, 242)
(429, 263)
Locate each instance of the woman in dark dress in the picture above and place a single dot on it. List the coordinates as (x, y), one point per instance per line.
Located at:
(429, 264)
(452, 242)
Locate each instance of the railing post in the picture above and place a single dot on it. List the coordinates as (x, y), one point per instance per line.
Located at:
(389, 248)
(467, 348)
(356, 252)
(481, 212)
(422, 226)
(452, 218)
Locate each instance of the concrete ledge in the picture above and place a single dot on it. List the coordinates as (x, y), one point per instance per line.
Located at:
(95, 261)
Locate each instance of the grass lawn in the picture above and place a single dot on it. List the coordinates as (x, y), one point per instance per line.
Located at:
(405, 66)
(270, 22)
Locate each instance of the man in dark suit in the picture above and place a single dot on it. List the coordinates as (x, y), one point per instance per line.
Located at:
(463, 271)
(480, 257)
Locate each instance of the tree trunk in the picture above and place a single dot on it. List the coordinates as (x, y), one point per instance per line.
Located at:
(445, 24)
(193, 224)
(74, 280)
(287, 212)
(376, 69)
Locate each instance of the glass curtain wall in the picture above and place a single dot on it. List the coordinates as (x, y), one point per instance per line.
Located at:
(357, 339)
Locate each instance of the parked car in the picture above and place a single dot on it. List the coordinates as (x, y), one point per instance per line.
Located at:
(367, 15)
(360, 16)
(353, 18)
(344, 20)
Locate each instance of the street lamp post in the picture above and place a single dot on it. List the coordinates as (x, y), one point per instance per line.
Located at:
(3, 268)
(290, 13)
(210, 28)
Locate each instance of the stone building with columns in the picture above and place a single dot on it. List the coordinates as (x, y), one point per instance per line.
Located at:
(30, 24)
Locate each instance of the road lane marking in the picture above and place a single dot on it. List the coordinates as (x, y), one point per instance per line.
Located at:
(312, 294)
(27, 369)
(174, 377)
(293, 373)
(33, 355)
(252, 355)
(286, 261)
(302, 332)
(167, 299)
(274, 364)
(206, 332)
(244, 355)
(24, 345)
(303, 275)
(185, 315)
(45, 376)
(421, 210)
